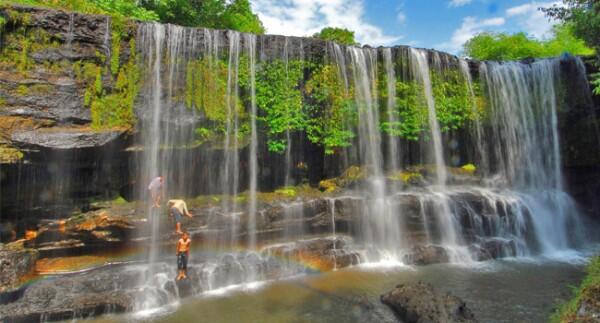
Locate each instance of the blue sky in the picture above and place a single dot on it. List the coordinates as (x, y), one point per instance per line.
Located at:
(440, 24)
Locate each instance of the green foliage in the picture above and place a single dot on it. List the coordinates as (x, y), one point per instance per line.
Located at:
(596, 83)
(206, 91)
(115, 52)
(333, 110)
(339, 35)
(114, 109)
(116, 8)
(239, 16)
(583, 16)
(410, 113)
(19, 45)
(502, 46)
(588, 291)
(453, 102)
(279, 97)
(220, 14)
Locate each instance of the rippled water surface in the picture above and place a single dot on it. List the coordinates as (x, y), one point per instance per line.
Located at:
(498, 291)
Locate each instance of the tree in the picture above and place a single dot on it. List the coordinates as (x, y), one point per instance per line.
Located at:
(220, 14)
(502, 46)
(239, 16)
(583, 16)
(339, 35)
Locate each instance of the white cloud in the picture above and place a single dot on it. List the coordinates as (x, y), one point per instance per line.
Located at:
(470, 27)
(459, 3)
(527, 17)
(401, 17)
(531, 20)
(306, 17)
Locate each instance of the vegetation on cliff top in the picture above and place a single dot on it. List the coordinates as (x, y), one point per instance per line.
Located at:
(340, 35)
(220, 14)
(586, 298)
(235, 15)
(584, 18)
(116, 8)
(503, 46)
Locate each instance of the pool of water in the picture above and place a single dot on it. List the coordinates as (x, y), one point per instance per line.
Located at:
(523, 290)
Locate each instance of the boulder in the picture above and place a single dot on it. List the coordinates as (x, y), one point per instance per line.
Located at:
(15, 263)
(426, 255)
(100, 291)
(421, 303)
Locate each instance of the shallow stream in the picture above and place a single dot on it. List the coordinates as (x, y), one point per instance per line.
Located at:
(523, 290)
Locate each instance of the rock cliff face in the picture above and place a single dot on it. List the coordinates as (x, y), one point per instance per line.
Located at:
(46, 132)
(54, 159)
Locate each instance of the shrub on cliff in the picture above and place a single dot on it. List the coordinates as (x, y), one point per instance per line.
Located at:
(502, 46)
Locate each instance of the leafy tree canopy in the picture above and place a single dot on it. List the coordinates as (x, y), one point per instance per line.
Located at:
(339, 35)
(583, 16)
(502, 46)
(220, 14)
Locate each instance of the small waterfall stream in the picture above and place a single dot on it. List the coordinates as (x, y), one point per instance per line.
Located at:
(422, 73)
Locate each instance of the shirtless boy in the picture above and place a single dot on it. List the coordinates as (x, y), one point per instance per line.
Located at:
(183, 253)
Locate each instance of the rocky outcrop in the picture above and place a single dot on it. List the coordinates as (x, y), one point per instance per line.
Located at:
(96, 230)
(326, 254)
(421, 303)
(16, 262)
(101, 291)
(69, 139)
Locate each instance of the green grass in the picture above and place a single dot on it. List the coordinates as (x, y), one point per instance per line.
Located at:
(588, 291)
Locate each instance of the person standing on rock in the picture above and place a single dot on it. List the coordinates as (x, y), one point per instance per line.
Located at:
(177, 209)
(156, 190)
(183, 253)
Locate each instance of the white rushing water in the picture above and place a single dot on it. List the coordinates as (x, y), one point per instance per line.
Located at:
(251, 49)
(393, 156)
(421, 72)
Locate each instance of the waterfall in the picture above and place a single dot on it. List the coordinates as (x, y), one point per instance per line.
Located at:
(107, 36)
(338, 56)
(70, 33)
(478, 128)
(152, 40)
(230, 179)
(251, 48)
(523, 102)
(382, 229)
(421, 72)
(288, 139)
(391, 107)
(525, 212)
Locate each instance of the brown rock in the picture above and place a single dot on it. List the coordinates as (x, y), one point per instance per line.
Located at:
(421, 303)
